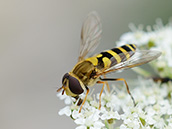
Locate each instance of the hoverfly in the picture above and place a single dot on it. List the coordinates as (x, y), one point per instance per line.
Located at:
(89, 71)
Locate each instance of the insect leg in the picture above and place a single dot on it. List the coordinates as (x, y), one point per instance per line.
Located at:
(120, 79)
(78, 100)
(101, 93)
(84, 99)
(107, 84)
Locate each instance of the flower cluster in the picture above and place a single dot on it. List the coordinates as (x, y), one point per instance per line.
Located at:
(158, 37)
(91, 117)
(153, 108)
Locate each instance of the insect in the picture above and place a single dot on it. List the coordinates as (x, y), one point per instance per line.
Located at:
(91, 70)
(162, 80)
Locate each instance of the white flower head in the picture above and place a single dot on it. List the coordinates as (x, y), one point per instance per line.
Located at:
(157, 37)
(152, 101)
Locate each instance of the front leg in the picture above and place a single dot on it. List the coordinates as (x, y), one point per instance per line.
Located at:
(79, 101)
(84, 99)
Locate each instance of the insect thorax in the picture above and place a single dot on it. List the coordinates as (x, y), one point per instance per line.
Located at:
(85, 71)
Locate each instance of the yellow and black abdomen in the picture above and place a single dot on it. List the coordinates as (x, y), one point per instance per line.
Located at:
(113, 56)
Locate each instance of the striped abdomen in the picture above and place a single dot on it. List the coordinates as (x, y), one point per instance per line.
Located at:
(113, 56)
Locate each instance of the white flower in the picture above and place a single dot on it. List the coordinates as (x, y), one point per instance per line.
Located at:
(67, 99)
(110, 100)
(81, 127)
(131, 117)
(90, 121)
(65, 111)
(160, 123)
(170, 121)
(169, 111)
(150, 111)
(123, 126)
(110, 115)
(76, 115)
(149, 120)
(132, 123)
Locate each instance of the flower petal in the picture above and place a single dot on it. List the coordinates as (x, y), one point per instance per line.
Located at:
(65, 111)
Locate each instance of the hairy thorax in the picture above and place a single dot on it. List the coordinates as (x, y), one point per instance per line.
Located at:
(86, 71)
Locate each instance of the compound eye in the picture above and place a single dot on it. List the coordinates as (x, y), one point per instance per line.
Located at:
(75, 86)
(66, 76)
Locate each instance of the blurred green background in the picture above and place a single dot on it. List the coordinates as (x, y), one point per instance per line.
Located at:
(39, 42)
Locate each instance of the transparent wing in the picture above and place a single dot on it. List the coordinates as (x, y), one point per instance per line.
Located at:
(140, 57)
(90, 35)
